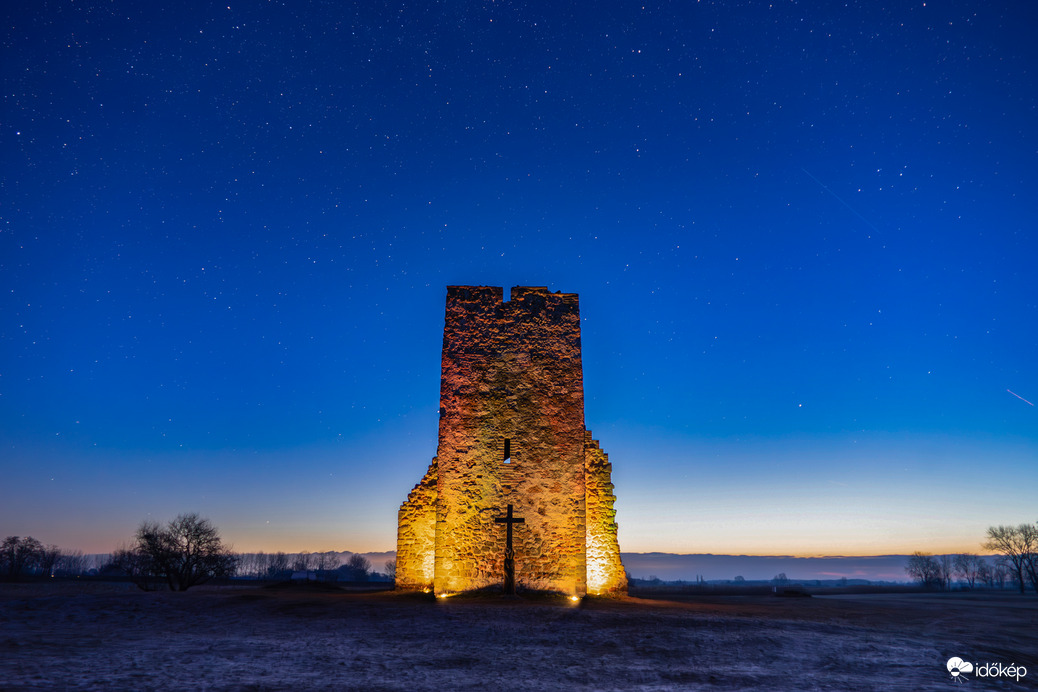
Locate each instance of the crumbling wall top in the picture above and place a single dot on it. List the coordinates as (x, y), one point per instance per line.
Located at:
(491, 296)
(481, 295)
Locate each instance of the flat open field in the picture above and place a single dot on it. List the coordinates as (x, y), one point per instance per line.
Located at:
(100, 636)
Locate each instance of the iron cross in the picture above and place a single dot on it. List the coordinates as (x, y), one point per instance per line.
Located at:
(508, 520)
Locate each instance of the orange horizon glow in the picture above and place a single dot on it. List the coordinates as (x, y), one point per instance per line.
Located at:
(293, 545)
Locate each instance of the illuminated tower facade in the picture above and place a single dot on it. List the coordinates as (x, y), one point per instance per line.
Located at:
(512, 433)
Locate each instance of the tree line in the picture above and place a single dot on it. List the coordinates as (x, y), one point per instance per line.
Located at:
(27, 557)
(1015, 561)
(188, 551)
(329, 566)
(185, 552)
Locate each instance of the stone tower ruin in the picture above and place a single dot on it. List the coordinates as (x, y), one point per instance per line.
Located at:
(512, 433)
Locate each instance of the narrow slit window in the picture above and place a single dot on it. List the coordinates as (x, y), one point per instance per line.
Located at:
(508, 451)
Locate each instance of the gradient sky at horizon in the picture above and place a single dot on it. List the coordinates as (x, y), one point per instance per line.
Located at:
(803, 238)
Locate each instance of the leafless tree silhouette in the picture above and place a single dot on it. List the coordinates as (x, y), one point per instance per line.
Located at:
(924, 568)
(969, 567)
(1019, 546)
(185, 552)
(20, 556)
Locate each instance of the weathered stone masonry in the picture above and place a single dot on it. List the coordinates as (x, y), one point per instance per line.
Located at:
(511, 432)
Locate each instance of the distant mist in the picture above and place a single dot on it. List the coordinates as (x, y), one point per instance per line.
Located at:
(377, 560)
(671, 567)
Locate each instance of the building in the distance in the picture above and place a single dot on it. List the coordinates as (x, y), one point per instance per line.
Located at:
(512, 433)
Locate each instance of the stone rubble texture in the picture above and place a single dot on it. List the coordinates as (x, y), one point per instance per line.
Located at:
(512, 371)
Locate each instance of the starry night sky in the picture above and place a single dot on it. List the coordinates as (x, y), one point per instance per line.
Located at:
(803, 235)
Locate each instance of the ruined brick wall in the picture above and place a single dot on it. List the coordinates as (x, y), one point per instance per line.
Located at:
(416, 535)
(605, 573)
(511, 371)
(511, 432)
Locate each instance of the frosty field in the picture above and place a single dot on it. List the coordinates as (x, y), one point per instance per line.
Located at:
(101, 636)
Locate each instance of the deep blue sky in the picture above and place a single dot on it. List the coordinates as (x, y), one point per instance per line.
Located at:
(803, 235)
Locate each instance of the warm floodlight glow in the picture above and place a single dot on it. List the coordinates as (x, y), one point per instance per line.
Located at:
(574, 598)
(517, 363)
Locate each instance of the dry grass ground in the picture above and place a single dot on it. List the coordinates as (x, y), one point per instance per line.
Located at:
(97, 636)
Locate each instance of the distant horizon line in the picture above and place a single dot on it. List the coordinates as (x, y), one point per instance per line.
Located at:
(784, 556)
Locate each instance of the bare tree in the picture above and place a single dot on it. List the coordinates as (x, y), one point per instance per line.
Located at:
(305, 562)
(301, 563)
(969, 567)
(260, 564)
(357, 568)
(253, 564)
(1000, 572)
(326, 564)
(1029, 541)
(925, 569)
(985, 574)
(1018, 545)
(246, 564)
(947, 568)
(360, 565)
(185, 552)
(71, 563)
(391, 569)
(134, 564)
(277, 565)
(48, 559)
(20, 556)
